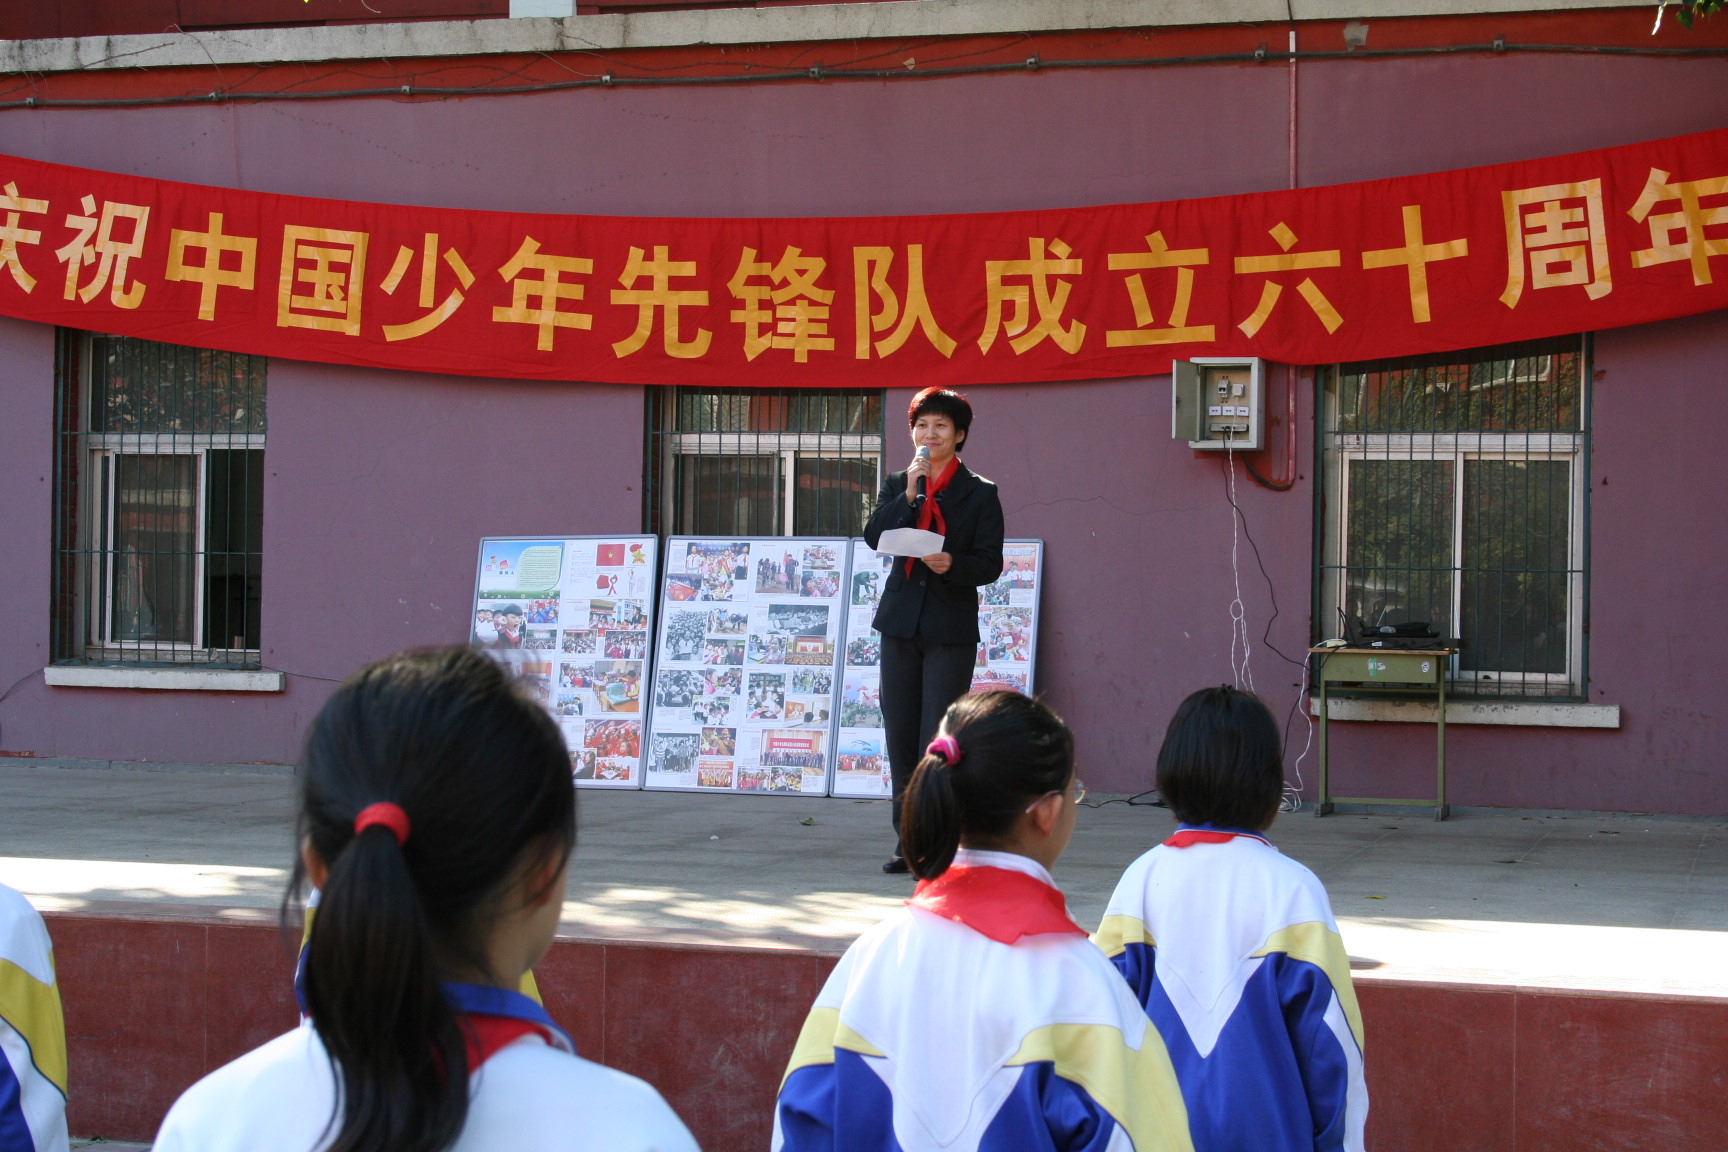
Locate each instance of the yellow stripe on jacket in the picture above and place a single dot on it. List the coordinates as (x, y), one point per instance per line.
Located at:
(33, 1009)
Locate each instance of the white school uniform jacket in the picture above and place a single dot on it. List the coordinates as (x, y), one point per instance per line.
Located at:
(930, 1034)
(533, 1093)
(32, 1033)
(1232, 949)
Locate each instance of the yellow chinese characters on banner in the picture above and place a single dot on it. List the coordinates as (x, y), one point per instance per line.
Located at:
(1271, 290)
(210, 274)
(12, 235)
(660, 297)
(1556, 234)
(323, 270)
(111, 241)
(548, 290)
(878, 308)
(1009, 308)
(781, 305)
(1382, 268)
(1414, 257)
(431, 264)
(1679, 235)
(1159, 254)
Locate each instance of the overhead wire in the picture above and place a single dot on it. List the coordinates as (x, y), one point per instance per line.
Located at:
(398, 89)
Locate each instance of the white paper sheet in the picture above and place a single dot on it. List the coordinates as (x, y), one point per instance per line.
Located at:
(909, 542)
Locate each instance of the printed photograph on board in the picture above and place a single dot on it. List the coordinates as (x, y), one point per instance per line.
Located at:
(1004, 659)
(760, 620)
(545, 610)
(674, 753)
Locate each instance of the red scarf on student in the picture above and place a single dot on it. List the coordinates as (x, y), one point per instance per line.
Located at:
(930, 512)
(996, 902)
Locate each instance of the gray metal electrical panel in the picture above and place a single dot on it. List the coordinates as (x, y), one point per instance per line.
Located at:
(1219, 402)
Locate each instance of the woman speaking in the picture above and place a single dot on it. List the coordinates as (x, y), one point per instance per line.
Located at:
(928, 616)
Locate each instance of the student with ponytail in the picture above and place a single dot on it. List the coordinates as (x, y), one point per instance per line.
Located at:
(436, 820)
(979, 1019)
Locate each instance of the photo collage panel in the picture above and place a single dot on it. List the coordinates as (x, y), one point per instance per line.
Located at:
(572, 619)
(746, 683)
(1007, 633)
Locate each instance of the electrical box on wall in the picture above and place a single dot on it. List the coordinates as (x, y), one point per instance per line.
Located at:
(1219, 402)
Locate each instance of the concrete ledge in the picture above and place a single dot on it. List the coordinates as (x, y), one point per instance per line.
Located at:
(169, 679)
(81, 764)
(899, 18)
(1521, 713)
(1441, 1054)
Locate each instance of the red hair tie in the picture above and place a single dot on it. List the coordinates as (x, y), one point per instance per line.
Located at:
(946, 747)
(385, 813)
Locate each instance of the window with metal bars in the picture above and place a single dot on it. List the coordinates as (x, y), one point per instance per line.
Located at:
(1455, 490)
(748, 462)
(159, 502)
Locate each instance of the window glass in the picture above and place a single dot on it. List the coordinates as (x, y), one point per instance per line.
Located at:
(155, 507)
(1517, 532)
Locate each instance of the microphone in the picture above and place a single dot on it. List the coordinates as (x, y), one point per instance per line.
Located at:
(923, 453)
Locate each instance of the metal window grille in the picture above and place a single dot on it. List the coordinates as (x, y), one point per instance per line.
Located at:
(159, 498)
(749, 462)
(1456, 491)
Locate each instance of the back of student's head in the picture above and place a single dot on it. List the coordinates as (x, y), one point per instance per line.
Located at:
(484, 780)
(1222, 761)
(1006, 751)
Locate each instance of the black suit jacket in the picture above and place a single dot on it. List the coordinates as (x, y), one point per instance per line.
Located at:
(942, 609)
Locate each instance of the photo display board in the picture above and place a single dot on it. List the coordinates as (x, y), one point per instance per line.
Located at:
(1007, 652)
(747, 664)
(572, 618)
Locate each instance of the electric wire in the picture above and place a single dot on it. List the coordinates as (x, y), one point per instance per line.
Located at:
(818, 72)
(1292, 801)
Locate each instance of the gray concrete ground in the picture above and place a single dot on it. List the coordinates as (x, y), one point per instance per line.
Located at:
(1614, 902)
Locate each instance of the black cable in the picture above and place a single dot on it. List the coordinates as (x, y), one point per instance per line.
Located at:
(17, 682)
(1133, 801)
(1271, 590)
(1271, 593)
(1271, 484)
(818, 72)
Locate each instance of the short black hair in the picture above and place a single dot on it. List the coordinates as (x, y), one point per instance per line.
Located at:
(1222, 762)
(942, 402)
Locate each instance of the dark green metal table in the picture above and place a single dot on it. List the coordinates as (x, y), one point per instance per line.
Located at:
(1389, 673)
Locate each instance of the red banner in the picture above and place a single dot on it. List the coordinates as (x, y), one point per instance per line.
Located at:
(1349, 272)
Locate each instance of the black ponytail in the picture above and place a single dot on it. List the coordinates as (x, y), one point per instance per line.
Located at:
(484, 779)
(1011, 748)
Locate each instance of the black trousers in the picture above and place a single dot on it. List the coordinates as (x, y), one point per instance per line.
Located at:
(919, 681)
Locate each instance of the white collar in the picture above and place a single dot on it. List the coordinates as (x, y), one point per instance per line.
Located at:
(1012, 861)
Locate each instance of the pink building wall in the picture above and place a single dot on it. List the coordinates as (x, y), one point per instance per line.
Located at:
(381, 483)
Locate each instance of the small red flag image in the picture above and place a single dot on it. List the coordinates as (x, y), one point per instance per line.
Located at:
(609, 555)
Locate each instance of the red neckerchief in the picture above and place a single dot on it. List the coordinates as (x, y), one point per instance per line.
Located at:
(484, 1036)
(930, 512)
(1186, 837)
(997, 902)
